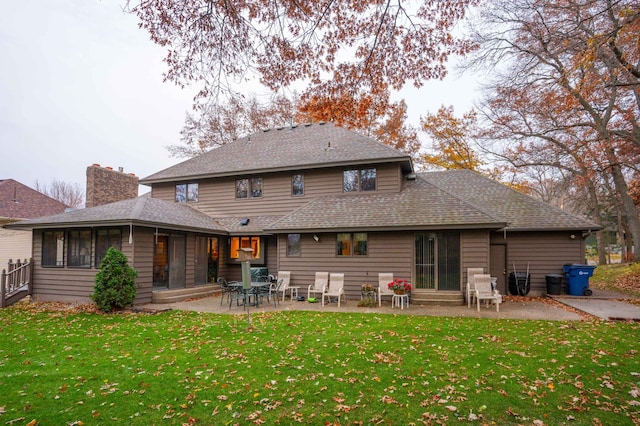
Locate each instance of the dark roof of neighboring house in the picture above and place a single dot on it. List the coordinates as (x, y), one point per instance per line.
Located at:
(304, 146)
(18, 201)
(519, 211)
(145, 211)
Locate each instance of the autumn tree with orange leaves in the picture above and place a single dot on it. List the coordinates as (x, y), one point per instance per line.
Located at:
(347, 54)
(565, 93)
(451, 138)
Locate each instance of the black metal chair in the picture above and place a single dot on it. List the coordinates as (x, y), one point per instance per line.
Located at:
(239, 294)
(225, 288)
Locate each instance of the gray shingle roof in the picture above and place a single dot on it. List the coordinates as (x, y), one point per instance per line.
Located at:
(301, 147)
(456, 199)
(142, 211)
(519, 211)
(256, 225)
(419, 205)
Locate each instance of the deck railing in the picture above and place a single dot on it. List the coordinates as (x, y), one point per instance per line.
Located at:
(15, 282)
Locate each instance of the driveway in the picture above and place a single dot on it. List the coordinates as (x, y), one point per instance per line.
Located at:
(606, 305)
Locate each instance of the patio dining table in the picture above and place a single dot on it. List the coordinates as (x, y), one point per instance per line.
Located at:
(256, 287)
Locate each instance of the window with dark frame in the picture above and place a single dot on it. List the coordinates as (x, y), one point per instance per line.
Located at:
(356, 180)
(255, 243)
(297, 185)
(187, 192)
(293, 245)
(53, 249)
(368, 179)
(192, 192)
(79, 248)
(249, 187)
(355, 244)
(106, 238)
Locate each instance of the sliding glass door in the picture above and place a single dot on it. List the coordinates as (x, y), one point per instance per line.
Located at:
(437, 261)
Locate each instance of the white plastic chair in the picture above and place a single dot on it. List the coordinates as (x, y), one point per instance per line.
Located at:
(335, 288)
(484, 291)
(286, 277)
(471, 272)
(384, 278)
(322, 279)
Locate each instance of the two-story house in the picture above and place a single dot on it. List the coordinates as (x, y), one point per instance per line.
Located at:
(309, 198)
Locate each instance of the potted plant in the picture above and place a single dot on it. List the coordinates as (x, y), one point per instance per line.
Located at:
(368, 295)
(399, 286)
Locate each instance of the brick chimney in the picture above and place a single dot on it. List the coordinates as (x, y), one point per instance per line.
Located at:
(105, 185)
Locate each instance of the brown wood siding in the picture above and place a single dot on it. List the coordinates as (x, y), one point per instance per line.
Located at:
(190, 261)
(217, 197)
(76, 284)
(143, 245)
(543, 252)
(387, 252)
(59, 284)
(474, 248)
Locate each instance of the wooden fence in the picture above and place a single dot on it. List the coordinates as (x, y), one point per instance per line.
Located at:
(15, 282)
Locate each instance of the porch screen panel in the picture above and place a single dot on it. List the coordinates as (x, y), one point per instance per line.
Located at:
(425, 261)
(449, 261)
(177, 261)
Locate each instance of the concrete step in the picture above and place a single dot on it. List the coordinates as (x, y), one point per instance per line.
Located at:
(441, 298)
(181, 294)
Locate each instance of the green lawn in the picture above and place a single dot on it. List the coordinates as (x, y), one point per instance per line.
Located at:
(62, 368)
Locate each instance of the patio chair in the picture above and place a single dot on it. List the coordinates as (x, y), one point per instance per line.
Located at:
(225, 288)
(471, 272)
(484, 291)
(274, 289)
(384, 278)
(322, 279)
(238, 294)
(286, 278)
(334, 289)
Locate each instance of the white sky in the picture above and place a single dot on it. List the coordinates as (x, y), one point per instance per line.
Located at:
(81, 84)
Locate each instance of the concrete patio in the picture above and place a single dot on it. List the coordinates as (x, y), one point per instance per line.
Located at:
(603, 305)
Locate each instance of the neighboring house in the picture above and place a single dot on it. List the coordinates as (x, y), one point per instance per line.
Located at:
(309, 198)
(19, 202)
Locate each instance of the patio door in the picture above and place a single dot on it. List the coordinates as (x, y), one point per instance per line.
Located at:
(169, 261)
(437, 261)
(425, 261)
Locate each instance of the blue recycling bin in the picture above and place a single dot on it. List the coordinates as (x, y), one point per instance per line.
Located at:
(578, 279)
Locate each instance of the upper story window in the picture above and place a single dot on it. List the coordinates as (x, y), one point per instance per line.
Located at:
(186, 192)
(249, 187)
(53, 248)
(355, 180)
(297, 185)
(79, 248)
